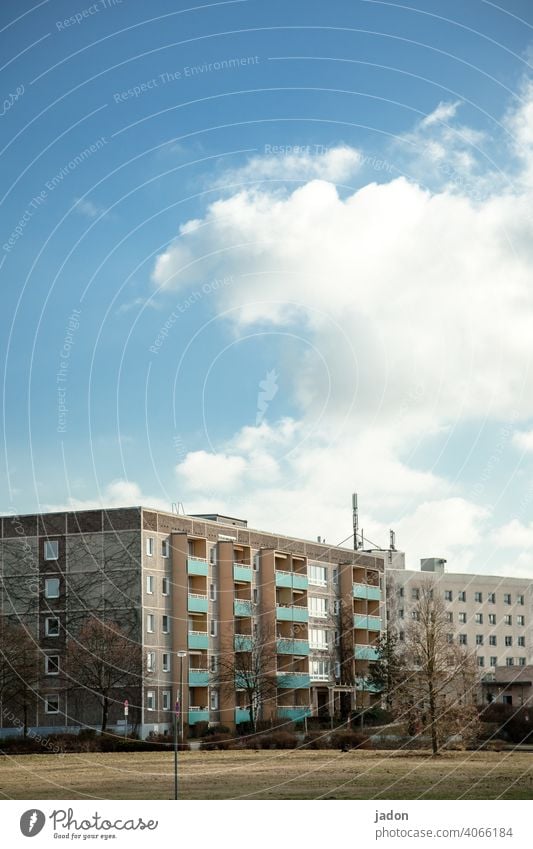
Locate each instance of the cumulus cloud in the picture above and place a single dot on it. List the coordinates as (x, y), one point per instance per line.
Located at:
(289, 163)
(118, 493)
(523, 440)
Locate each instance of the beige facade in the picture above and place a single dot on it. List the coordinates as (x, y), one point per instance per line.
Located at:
(203, 587)
(488, 614)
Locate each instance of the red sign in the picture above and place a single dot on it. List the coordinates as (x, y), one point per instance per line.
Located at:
(126, 705)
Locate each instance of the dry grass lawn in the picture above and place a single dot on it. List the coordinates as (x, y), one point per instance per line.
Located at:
(270, 775)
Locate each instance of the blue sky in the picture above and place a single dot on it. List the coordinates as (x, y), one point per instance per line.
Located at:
(288, 246)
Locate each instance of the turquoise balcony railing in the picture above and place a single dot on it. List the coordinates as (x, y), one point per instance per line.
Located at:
(294, 580)
(293, 680)
(197, 603)
(242, 607)
(242, 642)
(287, 646)
(196, 566)
(294, 712)
(197, 715)
(366, 591)
(242, 715)
(242, 573)
(370, 623)
(292, 613)
(198, 677)
(198, 640)
(365, 653)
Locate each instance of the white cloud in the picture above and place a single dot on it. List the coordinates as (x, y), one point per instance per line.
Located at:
(88, 208)
(118, 493)
(308, 162)
(203, 471)
(443, 112)
(523, 440)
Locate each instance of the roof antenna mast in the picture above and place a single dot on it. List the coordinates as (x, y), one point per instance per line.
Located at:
(355, 516)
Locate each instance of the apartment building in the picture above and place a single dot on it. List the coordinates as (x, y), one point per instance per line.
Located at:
(190, 590)
(488, 614)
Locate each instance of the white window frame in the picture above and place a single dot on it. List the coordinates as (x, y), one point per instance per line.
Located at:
(47, 702)
(507, 598)
(462, 617)
(478, 597)
(493, 640)
(479, 618)
(317, 575)
(47, 621)
(165, 548)
(213, 663)
(213, 699)
(165, 662)
(166, 704)
(493, 661)
(317, 606)
(508, 619)
(212, 592)
(492, 618)
(508, 642)
(150, 661)
(47, 659)
(165, 586)
(213, 627)
(315, 642)
(149, 546)
(448, 595)
(165, 624)
(521, 642)
(520, 619)
(47, 593)
(149, 584)
(150, 622)
(51, 549)
(150, 697)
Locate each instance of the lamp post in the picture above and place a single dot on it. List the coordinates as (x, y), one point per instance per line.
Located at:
(178, 716)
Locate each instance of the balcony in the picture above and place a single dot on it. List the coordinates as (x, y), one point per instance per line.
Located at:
(198, 640)
(293, 580)
(242, 607)
(241, 715)
(319, 676)
(198, 677)
(197, 714)
(242, 642)
(291, 613)
(294, 712)
(293, 680)
(365, 653)
(241, 572)
(366, 687)
(366, 591)
(369, 623)
(196, 566)
(197, 603)
(287, 646)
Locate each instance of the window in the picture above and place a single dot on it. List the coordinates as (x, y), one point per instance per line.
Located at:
(335, 576)
(166, 699)
(317, 575)
(51, 626)
(461, 595)
(492, 618)
(165, 663)
(509, 661)
(256, 562)
(493, 661)
(481, 661)
(448, 595)
(51, 704)
(149, 546)
(507, 598)
(318, 638)
(318, 606)
(478, 597)
(213, 663)
(462, 639)
(150, 661)
(521, 661)
(479, 639)
(508, 619)
(449, 638)
(51, 664)
(449, 616)
(51, 549)
(255, 595)
(165, 548)
(165, 624)
(149, 584)
(165, 586)
(520, 620)
(491, 598)
(150, 700)
(150, 623)
(521, 641)
(492, 640)
(213, 628)
(212, 592)
(508, 641)
(520, 599)
(400, 592)
(462, 618)
(51, 587)
(415, 614)
(415, 594)
(479, 619)
(319, 670)
(401, 636)
(213, 699)
(401, 613)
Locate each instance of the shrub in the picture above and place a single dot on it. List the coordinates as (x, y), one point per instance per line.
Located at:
(345, 739)
(216, 741)
(278, 740)
(199, 729)
(216, 729)
(317, 740)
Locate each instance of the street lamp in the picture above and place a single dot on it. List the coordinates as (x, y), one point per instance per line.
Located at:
(178, 712)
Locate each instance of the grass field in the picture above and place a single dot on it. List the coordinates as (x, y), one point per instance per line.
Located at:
(270, 775)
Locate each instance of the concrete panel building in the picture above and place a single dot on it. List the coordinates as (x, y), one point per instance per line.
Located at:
(199, 585)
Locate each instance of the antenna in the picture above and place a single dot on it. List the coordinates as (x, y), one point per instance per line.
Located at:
(392, 544)
(355, 516)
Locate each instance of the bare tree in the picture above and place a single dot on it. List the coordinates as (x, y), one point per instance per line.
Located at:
(19, 672)
(248, 662)
(388, 672)
(440, 677)
(102, 659)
